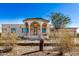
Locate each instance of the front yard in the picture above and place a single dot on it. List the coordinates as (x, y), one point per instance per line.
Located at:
(31, 48)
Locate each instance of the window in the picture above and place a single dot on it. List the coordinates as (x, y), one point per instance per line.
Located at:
(43, 30)
(25, 30)
(13, 30)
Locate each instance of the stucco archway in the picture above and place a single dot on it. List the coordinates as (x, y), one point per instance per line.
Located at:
(35, 28)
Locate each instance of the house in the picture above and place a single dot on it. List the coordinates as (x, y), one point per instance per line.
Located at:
(33, 28)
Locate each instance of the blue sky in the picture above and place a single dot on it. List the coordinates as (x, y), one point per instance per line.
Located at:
(15, 13)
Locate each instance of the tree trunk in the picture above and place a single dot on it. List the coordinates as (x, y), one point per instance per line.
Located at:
(41, 44)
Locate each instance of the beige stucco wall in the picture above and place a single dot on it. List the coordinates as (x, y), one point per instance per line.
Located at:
(62, 32)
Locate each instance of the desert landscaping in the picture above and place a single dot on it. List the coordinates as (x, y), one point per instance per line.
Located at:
(31, 48)
(40, 38)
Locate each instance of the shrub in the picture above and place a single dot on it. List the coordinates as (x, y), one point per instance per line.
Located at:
(66, 42)
(8, 39)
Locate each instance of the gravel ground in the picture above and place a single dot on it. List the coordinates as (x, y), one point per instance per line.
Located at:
(20, 50)
(34, 51)
(43, 53)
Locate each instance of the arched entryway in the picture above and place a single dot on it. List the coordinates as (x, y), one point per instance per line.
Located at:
(35, 28)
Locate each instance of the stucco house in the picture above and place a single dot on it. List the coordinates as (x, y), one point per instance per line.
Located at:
(33, 28)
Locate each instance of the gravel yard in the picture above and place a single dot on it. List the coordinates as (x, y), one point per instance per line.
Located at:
(20, 50)
(27, 49)
(34, 51)
(30, 50)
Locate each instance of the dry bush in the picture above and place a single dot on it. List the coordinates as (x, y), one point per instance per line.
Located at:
(67, 41)
(8, 39)
(64, 39)
(8, 42)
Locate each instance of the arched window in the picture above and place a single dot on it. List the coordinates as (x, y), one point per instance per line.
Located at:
(44, 26)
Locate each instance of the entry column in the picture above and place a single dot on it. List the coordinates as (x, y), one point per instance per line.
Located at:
(29, 28)
(40, 28)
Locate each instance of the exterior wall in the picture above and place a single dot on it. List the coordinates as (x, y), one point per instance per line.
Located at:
(62, 32)
(7, 28)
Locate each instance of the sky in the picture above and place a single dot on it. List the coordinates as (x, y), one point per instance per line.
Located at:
(15, 13)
